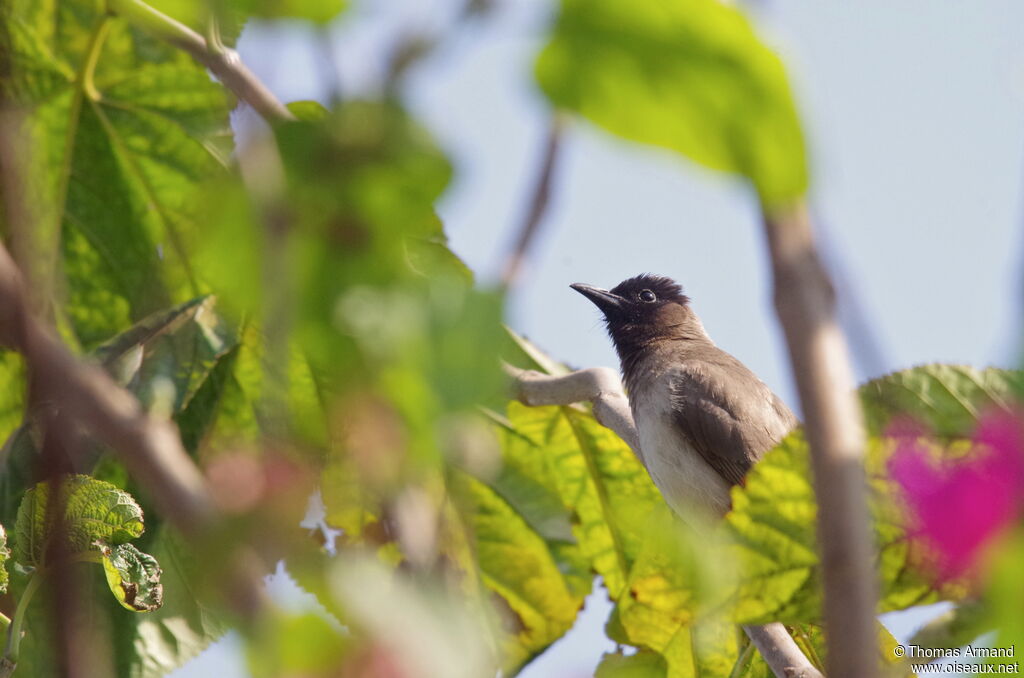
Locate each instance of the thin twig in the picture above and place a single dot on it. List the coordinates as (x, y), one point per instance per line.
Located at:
(868, 353)
(805, 303)
(222, 62)
(602, 387)
(539, 201)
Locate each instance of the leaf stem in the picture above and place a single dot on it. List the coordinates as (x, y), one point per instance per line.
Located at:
(742, 661)
(14, 630)
(223, 63)
(92, 57)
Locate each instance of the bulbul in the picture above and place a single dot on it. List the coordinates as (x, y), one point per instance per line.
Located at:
(702, 417)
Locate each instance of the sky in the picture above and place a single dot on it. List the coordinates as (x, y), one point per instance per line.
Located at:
(915, 115)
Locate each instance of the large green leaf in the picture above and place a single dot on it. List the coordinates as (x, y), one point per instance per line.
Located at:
(774, 514)
(122, 130)
(597, 478)
(541, 585)
(688, 75)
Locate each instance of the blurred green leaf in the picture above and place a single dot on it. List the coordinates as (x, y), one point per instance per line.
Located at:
(945, 399)
(414, 624)
(640, 665)
(12, 387)
(688, 75)
(298, 645)
(93, 510)
(1004, 597)
(133, 577)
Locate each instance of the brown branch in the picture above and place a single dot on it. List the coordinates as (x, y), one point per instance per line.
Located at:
(805, 303)
(221, 61)
(149, 448)
(602, 387)
(541, 197)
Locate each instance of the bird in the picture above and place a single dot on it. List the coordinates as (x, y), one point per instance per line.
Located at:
(702, 417)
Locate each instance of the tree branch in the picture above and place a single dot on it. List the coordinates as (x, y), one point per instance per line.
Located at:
(602, 387)
(539, 201)
(149, 448)
(222, 62)
(805, 303)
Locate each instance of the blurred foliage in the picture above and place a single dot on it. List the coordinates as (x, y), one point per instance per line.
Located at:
(688, 75)
(293, 307)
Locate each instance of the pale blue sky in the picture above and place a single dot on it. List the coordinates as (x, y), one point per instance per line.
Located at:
(915, 111)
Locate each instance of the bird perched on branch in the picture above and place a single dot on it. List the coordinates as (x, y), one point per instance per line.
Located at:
(702, 417)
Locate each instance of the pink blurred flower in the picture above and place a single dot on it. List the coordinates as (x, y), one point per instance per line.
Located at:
(959, 507)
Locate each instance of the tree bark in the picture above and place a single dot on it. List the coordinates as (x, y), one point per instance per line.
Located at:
(805, 304)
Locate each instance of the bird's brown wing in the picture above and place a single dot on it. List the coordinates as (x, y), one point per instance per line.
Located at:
(729, 416)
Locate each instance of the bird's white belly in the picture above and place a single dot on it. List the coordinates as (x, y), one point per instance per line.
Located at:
(686, 481)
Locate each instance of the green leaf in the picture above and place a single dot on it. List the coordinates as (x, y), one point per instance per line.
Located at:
(1004, 596)
(643, 664)
(774, 514)
(946, 399)
(297, 645)
(93, 510)
(417, 623)
(118, 153)
(541, 586)
(133, 577)
(19, 454)
(318, 11)
(688, 75)
(597, 478)
(673, 606)
(12, 396)
(153, 644)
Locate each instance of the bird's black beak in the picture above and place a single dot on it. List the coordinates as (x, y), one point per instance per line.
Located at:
(603, 299)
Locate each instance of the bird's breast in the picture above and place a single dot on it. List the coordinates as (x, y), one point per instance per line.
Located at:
(687, 482)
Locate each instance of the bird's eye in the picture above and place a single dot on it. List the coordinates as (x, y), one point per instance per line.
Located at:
(647, 296)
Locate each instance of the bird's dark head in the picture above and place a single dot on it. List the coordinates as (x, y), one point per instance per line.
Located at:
(644, 309)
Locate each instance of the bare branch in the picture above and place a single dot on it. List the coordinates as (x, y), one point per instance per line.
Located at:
(602, 387)
(222, 62)
(805, 303)
(599, 385)
(781, 652)
(538, 204)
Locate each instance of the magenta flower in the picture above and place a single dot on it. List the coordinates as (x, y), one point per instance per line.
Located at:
(958, 508)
